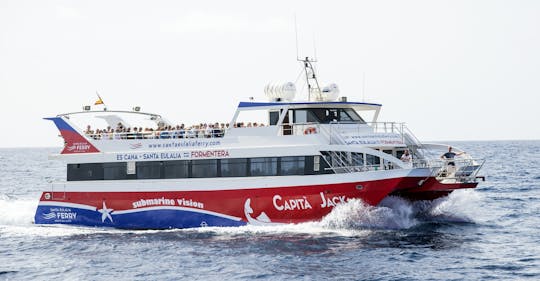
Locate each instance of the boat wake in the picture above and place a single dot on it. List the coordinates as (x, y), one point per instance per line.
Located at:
(398, 213)
(351, 218)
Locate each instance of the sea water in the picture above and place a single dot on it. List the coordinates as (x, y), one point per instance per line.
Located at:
(489, 233)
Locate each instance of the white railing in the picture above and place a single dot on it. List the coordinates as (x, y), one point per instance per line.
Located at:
(332, 131)
(172, 134)
(360, 168)
(457, 169)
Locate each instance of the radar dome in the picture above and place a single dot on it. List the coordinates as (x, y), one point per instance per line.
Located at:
(280, 91)
(330, 92)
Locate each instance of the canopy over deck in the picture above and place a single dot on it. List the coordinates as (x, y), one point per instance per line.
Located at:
(359, 106)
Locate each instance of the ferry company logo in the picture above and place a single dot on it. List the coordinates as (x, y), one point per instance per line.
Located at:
(49, 216)
(78, 147)
(60, 215)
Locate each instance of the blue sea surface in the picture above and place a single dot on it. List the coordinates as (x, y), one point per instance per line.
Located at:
(489, 233)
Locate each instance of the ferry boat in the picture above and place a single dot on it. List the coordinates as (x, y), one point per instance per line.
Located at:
(307, 158)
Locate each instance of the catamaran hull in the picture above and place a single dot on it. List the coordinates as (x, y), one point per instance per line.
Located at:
(430, 189)
(166, 209)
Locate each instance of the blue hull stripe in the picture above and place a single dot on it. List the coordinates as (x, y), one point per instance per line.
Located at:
(144, 219)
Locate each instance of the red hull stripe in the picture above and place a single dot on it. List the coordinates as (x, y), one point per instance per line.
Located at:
(283, 204)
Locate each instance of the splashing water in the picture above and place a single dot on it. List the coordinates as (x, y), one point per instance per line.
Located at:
(17, 212)
(398, 213)
(392, 213)
(459, 206)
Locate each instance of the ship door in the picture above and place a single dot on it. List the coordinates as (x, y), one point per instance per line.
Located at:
(287, 128)
(58, 191)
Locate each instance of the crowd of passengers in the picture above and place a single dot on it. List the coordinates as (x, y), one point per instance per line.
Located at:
(203, 130)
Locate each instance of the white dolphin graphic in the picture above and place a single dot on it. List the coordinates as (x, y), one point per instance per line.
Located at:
(262, 219)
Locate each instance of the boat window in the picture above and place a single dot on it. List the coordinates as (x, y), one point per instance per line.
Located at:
(234, 167)
(115, 171)
(131, 168)
(149, 170)
(204, 168)
(176, 169)
(300, 116)
(357, 159)
(305, 116)
(350, 114)
(319, 113)
(85, 172)
(264, 166)
(293, 165)
(274, 117)
(327, 115)
(399, 153)
(372, 160)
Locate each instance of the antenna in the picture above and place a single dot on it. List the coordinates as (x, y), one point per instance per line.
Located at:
(363, 86)
(314, 49)
(308, 69)
(296, 35)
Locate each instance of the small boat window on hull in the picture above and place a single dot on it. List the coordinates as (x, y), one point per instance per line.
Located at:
(90, 171)
(264, 166)
(293, 165)
(204, 169)
(149, 170)
(234, 167)
(176, 169)
(116, 170)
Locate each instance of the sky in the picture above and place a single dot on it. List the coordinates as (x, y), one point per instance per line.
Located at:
(451, 70)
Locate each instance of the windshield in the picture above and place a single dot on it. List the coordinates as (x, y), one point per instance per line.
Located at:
(327, 115)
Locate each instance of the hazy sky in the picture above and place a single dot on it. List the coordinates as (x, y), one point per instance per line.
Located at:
(452, 70)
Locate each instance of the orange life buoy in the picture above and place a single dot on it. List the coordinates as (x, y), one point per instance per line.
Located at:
(310, 130)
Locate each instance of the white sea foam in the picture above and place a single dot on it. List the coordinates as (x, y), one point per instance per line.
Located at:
(17, 212)
(392, 213)
(460, 206)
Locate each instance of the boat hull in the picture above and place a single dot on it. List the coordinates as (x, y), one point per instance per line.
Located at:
(429, 189)
(181, 208)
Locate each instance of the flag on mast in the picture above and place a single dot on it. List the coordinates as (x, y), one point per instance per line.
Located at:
(99, 101)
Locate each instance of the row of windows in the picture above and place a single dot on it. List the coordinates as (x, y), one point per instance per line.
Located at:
(352, 158)
(235, 167)
(318, 115)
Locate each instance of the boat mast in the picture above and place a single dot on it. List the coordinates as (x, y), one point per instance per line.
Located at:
(311, 79)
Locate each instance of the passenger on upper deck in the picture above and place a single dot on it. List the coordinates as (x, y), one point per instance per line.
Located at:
(89, 130)
(163, 131)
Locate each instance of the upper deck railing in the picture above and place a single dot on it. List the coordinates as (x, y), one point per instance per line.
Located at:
(332, 131)
(169, 134)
